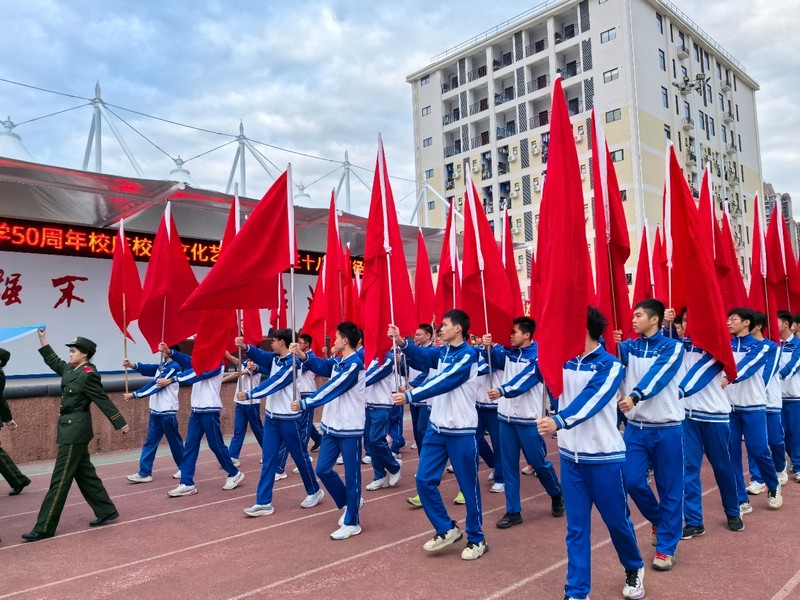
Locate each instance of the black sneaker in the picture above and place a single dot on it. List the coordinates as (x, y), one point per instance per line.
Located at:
(735, 523)
(557, 505)
(691, 531)
(509, 520)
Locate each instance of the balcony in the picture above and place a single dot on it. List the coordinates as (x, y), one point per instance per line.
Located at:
(731, 148)
(725, 85)
(735, 209)
(504, 132)
(479, 141)
(539, 120)
(504, 97)
(451, 118)
(452, 150)
(729, 117)
(450, 85)
(449, 184)
(570, 70)
(682, 51)
(574, 106)
(504, 61)
(474, 109)
(536, 47)
(687, 123)
(540, 83)
(691, 159)
(502, 168)
(486, 173)
(569, 32)
(476, 73)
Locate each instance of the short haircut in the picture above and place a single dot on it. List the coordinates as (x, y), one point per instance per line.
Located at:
(458, 317)
(797, 318)
(525, 325)
(745, 314)
(678, 320)
(785, 316)
(760, 320)
(306, 337)
(426, 327)
(596, 323)
(350, 332)
(653, 308)
(285, 335)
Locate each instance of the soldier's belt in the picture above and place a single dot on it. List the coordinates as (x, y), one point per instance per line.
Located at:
(72, 411)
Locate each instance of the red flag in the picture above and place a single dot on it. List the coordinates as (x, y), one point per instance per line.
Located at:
(792, 272)
(314, 324)
(729, 274)
(124, 286)
(423, 283)
(562, 233)
(252, 330)
(352, 292)
(277, 315)
(658, 271)
(760, 297)
(707, 326)
(643, 286)
(510, 264)
(675, 239)
(334, 272)
(264, 247)
(448, 284)
(167, 284)
(533, 287)
(485, 287)
(707, 217)
(776, 263)
(386, 297)
(358, 307)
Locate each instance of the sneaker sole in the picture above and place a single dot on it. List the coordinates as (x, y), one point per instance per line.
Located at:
(694, 535)
(339, 539)
(261, 513)
(192, 493)
(445, 544)
(776, 506)
(139, 480)
(485, 550)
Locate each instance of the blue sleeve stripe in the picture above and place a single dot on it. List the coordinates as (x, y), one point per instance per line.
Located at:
(600, 397)
(439, 384)
(335, 387)
(522, 382)
(746, 367)
(378, 372)
(275, 383)
(658, 379)
(701, 374)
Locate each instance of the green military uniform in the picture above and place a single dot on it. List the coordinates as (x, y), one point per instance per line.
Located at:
(8, 469)
(80, 386)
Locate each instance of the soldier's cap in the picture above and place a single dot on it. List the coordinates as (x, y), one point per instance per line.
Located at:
(5, 355)
(83, 344)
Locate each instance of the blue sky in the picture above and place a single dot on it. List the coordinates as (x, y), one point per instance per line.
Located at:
(318, 77)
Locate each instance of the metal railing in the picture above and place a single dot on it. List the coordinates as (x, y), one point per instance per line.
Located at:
(536, 47)
(452, 150)
(504, 97)
(477, 73)
(479, 106)
(539, 120)
(541, 82)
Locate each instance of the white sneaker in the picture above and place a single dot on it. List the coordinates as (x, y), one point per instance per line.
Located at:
(527, 470)
(755, 488)
(797, 477)
(634, 584)
(345, 531)
(313, 499)
(344, 512)
(236, 462)
(745, 508)
(498, 488)
(378, 484)
(396, 455)
(474, 551)
(450, 469)
(395, 478)
(490, 478)
(232, 482)
(259, 510)
(136, 478)
(774, 498)
(440, 540)
(340, 460)
(414, 446)
(182, 490)
(177, 474)
(367, 460)
(297, 469)
(279, 476)
(783, 477)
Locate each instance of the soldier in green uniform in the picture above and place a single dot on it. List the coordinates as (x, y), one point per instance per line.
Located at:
(8, 469)
(80, 386)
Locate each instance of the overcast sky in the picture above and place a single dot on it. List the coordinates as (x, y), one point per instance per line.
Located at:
(318, 77)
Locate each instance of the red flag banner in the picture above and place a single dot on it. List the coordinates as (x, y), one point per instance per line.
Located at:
(448, 284)
(334, 272)
(124, 286)
(423, 283)
(643, 286)
(729, 274)
(675, 239)
(314, 324)
(510, 264)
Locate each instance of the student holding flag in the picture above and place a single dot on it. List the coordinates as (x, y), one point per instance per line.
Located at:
(378, 382)
(790, 386)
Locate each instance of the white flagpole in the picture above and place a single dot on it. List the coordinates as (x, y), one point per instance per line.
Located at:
(473, 206)
(668, 221)
(121, 240)
(292, 257)
(602, 161)
(650, 259)
(168, 221)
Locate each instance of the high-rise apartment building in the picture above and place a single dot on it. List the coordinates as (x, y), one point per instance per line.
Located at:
(783, 202)
(650, 73)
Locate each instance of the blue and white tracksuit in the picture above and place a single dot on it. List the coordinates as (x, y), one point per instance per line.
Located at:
(790, 392)
(204, 419)
(248, 412)
(263, 360)
(654, 433)
(379, 386)
(487, 413)
(521, 402)
(342, 427)
(748, 398)
(282, 427)
(163, 414)
(592, 456)
(452, 387)
(706, 430)
(775, 440)
(420, 411)
(307, 385)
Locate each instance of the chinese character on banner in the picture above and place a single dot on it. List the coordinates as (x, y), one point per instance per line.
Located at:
(53, 237)
(12, 288)
(214, 249)
(199, 252)
(358, 266)
(141, 246)
(67, 294)
(306, 260)
(100, 243)
(75, 239)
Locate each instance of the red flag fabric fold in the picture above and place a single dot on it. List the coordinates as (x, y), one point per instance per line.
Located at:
(510, 265)
(334, 272)
(533, 287)
(562, 233)
(124, 286)
(423, 283)
(643, 285)
(314, 324)
(675, 238)
(729, 274)
(278, 315)
(659, 269)
(448, 284)
(760, 296)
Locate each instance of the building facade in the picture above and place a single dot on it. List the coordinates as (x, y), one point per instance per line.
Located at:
(773, 199)
(649, 72)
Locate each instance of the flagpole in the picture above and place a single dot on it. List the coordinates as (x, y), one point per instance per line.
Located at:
(240, 329)
(125, 337)
(649, 260)
(292, 257)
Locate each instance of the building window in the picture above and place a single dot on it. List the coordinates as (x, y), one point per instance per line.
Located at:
(734, 82)
(665, 97)
(674, 69)
(617, 155)
(737, 113)
(607, 36)
(684, 73)
(431, 204)
(426, 79)
(724, 133)
(426, 111)
(610, 75)
(662, 60)
(427, 142)
(721, 102)
(428, 173)
(613, 115)
(667, 132)
(624, 195)
(702, 121)
(659, 23)
(711, 129)
(687, 110)
(740, 141)
(697, 53)
(719, 71)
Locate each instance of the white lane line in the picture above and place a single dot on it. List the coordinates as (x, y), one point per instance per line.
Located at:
(788, 588)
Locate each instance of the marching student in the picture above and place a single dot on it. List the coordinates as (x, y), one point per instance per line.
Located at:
(592, 456)
(342, 422)
(8, 470)
(520, 402)
(282, 426)
(248, 412)
(451, 432)
(487, 418)
(706, 431)
(420, 411)
(203, 421)
(654, 432)
(379, 382)
(163, 394)
(790, 388)
(772, 382)
(307, 384)
(748, 397)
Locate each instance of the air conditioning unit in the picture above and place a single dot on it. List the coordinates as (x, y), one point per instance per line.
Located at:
(578, 138)
(512, 158)
(583, 176)
(457, 174)
(534, 150)
(460, 202)
(515, 230)
(537, 188)
(476, 169)
(513, 194)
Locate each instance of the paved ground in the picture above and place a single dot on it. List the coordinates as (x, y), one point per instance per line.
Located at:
(203, 546)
